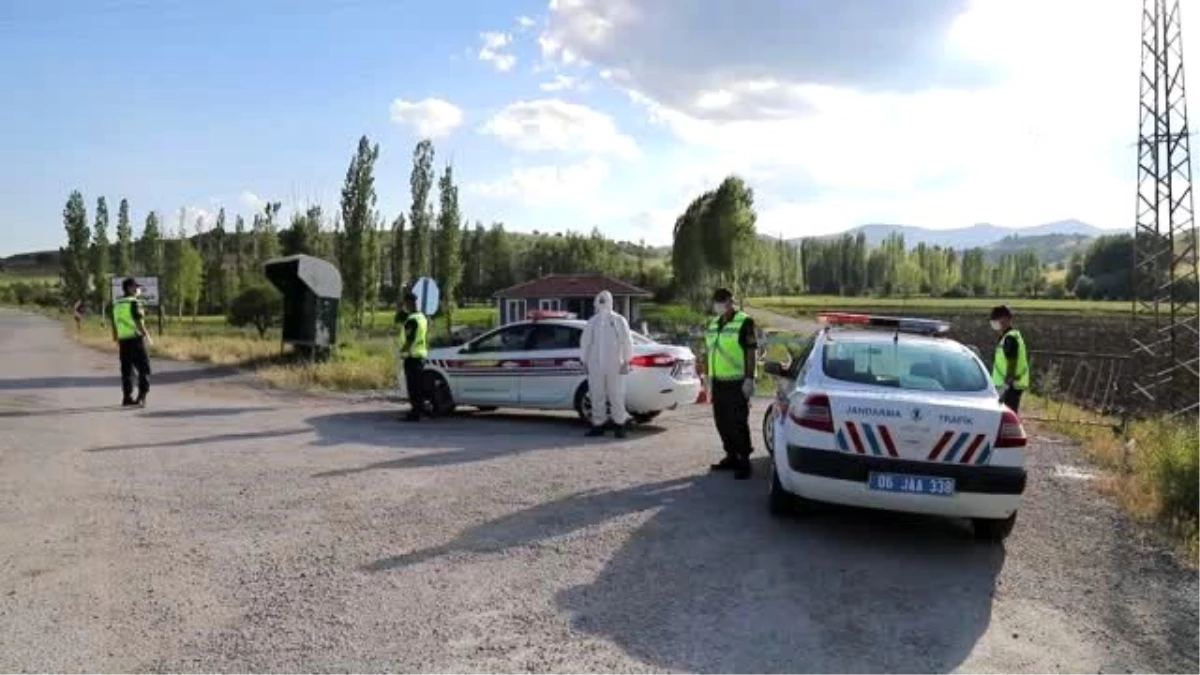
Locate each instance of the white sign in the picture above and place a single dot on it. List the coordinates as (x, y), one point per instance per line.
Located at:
(149, 289)
(428, 295)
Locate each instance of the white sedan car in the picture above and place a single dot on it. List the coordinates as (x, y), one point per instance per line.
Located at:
(536, 365)
(884, 413)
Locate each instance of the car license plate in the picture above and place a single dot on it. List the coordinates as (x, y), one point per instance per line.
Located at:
(916, 485)
(686, 371)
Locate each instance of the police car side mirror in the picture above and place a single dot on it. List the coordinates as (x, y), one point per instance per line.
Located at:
(774, 368)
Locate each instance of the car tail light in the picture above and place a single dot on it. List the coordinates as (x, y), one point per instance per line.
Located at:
(652, 361)
(1012, 432)
(813, 413)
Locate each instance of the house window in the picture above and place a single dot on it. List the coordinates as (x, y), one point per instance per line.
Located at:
(549, 304)
(516, 310)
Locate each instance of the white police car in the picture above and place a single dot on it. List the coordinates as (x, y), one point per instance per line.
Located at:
(536, 365)
(884, 412)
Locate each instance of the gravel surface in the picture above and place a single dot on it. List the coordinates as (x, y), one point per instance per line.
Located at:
(225, 528)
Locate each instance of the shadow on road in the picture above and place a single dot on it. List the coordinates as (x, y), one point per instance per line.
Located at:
(710, 583)
(459, 439)
(203, 412)
(204, 440)
(113, 381)
(47, 412)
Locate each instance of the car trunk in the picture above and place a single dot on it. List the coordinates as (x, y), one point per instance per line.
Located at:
(907, 425)
(679, 361)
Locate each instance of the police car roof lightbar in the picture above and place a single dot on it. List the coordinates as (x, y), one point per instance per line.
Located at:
(549, 314)
(897, 323)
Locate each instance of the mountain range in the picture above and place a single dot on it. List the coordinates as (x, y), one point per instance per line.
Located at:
(982, 235)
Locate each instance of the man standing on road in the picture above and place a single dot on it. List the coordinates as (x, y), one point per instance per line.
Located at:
(606, 347)
(731, 344)
(414, 347)
(132, 338)
(1010, 365)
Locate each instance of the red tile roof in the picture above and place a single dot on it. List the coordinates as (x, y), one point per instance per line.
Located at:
(570, 286)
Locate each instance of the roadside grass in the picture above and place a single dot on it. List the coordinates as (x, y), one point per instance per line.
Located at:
(1152, 468)
(803, 305)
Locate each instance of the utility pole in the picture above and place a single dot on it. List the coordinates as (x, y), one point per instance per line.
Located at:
(1166, 329)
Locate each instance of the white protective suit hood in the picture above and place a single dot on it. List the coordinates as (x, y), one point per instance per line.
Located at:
(603, 303)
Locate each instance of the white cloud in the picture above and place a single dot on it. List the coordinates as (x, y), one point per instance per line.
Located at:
(430, 117)
(560, 83)
(973, 113)
(554, 124)
(526, 22)
(543, 185)
(492, 50)
(251, 203)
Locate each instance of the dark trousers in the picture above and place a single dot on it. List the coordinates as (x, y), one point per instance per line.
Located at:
(134, 357)
(413, 368)
(731, 411)
(1011, 397)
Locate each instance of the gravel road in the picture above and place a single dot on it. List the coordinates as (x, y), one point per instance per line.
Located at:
(225, 528)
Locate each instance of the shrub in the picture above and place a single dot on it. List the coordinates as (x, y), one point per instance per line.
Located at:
(259, 306)
(1057, 290)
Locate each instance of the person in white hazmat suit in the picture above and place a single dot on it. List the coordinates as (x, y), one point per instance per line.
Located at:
(607, 348)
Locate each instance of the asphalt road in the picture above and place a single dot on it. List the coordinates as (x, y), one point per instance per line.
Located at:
(228, 529)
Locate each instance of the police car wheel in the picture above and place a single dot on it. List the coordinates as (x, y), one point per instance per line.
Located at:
(768, 430)
(644, 418)
(994, 530)
(440, 401)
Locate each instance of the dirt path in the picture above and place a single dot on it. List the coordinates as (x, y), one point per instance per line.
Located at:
(223, 529)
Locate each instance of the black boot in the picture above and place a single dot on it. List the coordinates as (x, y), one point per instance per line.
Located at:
(595, 432)
(743, 469)
(141, 399)
(726, 464)
(622, 430)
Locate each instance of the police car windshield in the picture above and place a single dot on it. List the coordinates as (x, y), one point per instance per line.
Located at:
(914, 364)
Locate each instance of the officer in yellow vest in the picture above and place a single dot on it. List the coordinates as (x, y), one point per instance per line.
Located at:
(1010, 365)
(130, 334)
(731, 346)
(414, 347)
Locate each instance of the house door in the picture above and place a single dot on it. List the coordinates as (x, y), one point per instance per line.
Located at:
(515, 310)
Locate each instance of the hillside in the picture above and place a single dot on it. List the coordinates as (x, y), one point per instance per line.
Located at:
(981, 235)
(1051, 248)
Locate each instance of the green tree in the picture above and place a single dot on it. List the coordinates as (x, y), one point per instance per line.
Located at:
(191, 276)
(74, 257)
(450, 263)
(266, 237)
(100, 253)
(239, 254)
(498, 253)
(216, 281)
(259, 305)
(420, 216)
(124, 265)
(303, 237)
(398, 257)
(150, 246)
(358, 221)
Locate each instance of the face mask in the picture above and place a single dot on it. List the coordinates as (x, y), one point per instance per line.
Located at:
(995, 324)
(719, 307)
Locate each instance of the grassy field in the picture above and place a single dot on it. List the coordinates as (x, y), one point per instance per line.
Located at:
(809, 304)
(1152, 469)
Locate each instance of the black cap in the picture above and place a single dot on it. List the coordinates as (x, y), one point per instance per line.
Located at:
(722, 295)
(1000, 312)
(129, 284)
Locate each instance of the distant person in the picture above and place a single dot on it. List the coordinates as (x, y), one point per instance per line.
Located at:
(1010, 365)
(132, 338)
(78, 312)
(606, 348)
(731, 343)
(414, 347)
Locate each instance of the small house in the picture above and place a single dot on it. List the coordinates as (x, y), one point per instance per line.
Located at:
(574, 293)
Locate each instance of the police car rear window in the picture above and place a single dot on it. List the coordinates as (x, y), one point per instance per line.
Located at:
(912, 365)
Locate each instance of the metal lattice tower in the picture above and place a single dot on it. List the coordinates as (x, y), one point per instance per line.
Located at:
(1166, 327)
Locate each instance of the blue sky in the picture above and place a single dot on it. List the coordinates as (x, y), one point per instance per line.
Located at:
(574, 113)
